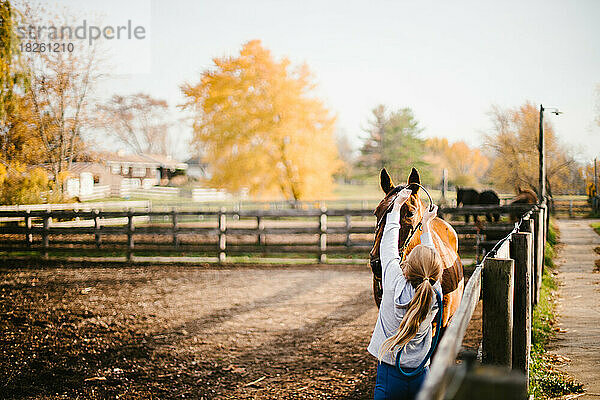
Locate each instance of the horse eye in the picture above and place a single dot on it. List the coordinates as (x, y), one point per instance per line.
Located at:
(410, 213)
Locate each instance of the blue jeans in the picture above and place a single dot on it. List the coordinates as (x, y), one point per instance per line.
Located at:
(391, 384)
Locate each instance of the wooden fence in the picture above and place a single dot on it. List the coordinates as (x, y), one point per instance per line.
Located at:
(318, 233)
(508, 282)
(571, 208)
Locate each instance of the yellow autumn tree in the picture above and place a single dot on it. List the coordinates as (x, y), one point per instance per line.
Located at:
(513, 144)
(586, 172)
(466, 165)
(260, 127)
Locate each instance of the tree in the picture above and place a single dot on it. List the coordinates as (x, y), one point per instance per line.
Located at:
(15, 143)
(58, 96)
(372, 157)
(18, 142)
(138, 121)
(466, 165)
(346, 155)
(24, 187)
(513, 145)
(12, 70)
(43, 107)
(393, 142)
(261, 128)
(586, 174)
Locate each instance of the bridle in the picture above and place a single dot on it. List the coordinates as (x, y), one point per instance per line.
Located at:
(375, 262)
(413, 230)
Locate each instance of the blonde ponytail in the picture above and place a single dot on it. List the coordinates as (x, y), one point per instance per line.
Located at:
(422, 268)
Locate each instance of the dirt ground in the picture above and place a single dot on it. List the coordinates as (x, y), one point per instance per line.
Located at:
(188, 332)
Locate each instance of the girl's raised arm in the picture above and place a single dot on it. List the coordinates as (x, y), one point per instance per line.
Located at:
(388, 250)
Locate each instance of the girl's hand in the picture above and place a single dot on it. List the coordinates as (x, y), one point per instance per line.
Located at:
(403, 195)
(429, 215)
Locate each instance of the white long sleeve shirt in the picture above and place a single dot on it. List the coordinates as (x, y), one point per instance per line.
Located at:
(397, 293)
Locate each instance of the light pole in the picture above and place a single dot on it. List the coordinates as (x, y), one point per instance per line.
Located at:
(542, 152)
(595, 178)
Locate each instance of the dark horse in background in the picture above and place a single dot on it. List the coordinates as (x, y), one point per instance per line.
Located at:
(444, 238)
(471, 197)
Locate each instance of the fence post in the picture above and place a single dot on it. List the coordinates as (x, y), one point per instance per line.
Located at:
(130, 240)
(28, 235)
(348, 227)
(175, 226)
(529, 226)
(497, 291)
(546, 208)
(486, 382)
(97, 239)
(570, 208)
(478, 237)
(323, 235)
(520, 252)
(222, 235)
(260, 224)
(540, 247)
(534, 218)
(46, 233)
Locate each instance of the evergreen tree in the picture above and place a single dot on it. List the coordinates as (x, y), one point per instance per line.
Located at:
(393, 142)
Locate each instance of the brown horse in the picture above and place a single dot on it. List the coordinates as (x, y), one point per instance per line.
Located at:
(524, 196)
(443, 235)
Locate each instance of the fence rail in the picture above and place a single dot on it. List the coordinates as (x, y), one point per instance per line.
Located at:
(572, 208)
(318, 233)
(105, 205)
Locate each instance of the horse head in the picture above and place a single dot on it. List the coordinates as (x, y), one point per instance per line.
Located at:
(444, 237)
(411, 213)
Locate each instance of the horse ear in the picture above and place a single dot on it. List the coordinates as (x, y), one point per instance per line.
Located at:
(385, 181)
(414, 178)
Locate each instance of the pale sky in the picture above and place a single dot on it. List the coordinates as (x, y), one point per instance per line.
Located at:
(449, 61)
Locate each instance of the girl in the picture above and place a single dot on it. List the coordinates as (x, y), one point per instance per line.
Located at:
(411, 290)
